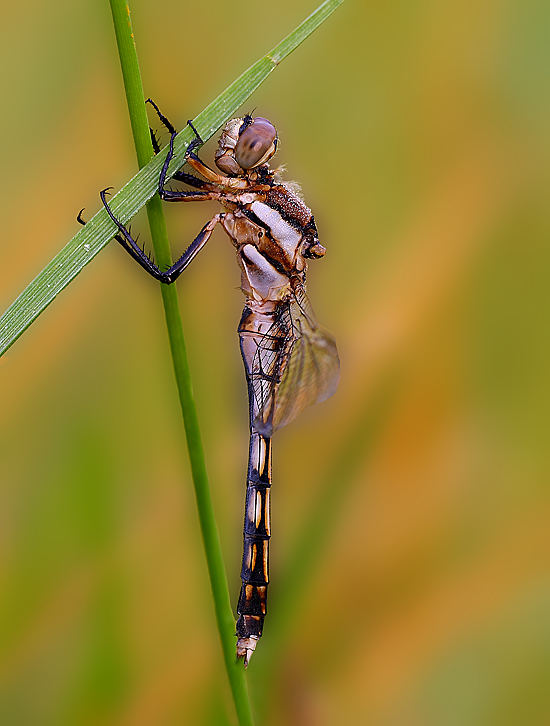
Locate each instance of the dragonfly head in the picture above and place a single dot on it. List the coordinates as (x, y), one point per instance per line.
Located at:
(246, 143)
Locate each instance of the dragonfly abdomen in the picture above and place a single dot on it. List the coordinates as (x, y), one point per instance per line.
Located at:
(252, 606)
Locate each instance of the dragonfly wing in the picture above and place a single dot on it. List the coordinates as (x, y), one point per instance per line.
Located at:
(290, 365)
(265, 347)
(310, 375)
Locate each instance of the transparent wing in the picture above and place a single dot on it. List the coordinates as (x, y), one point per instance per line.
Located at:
(290, 363)
(311, 370)
(266, 341)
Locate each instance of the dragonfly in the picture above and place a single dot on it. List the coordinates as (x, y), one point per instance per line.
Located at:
(290, 362)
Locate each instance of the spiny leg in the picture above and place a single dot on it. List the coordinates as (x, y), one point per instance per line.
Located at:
(194, 181)
(134, 250)
(80, 219)
(207, 192)
(171, 196)
(154, 141)
(182, 176)
(193, 159)
(197, 141)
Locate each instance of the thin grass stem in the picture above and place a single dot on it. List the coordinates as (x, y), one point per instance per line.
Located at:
(210, 537)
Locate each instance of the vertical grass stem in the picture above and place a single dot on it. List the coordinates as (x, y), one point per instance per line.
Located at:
(218, 580)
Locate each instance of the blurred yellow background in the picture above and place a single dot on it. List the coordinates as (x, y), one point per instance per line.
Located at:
(419, 132)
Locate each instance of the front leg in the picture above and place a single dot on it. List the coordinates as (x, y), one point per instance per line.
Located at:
(193, 160)
(180, 175)
(170, 275)
(208, 191)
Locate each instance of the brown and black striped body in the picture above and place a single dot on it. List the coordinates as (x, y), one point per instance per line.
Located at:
(252, 606)
(272, 263)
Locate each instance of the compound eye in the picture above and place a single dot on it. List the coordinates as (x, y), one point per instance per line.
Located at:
(256, 143)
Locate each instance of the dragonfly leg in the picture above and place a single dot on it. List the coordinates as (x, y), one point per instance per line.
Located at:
(154, 141)
(194, 248)
(182, 176)
(134, 250)
(192, 159)
(190, 179)
(202, 196)
(197, 141)
(193, 181)
(161, 116)
(213, 176)
(80, 219)
(208, 191)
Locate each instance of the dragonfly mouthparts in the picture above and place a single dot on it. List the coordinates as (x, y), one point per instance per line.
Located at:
(245, 648)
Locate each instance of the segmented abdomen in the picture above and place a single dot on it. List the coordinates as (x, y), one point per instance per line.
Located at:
(252, 605)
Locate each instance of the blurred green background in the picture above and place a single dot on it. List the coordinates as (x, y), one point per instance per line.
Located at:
(411, 544)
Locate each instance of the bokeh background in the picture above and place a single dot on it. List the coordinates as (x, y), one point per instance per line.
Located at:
(411, 537)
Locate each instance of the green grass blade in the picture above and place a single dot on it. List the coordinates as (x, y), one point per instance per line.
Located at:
(90, 240)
